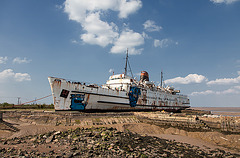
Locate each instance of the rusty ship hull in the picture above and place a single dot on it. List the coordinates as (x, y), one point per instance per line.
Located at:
(121, 92)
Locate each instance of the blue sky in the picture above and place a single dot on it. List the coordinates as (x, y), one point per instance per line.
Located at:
(195, 43)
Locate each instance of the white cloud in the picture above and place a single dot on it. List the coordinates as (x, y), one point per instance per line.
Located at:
(77, 10)
(164, 43)
(22, 77)
(18, 60)
(98, 32)
(233, 90)
(74, 41)
(145, 36)
(202, 93)
(191, 78)
(229, 91)
(111, 70)
(237, 87)
(150, 26)
(59, 6)
(128, 39)
(9, 75)
(3, 60)
(128, 7)
(224, 1)
(238, 64)
(88, 13)
(224, 81)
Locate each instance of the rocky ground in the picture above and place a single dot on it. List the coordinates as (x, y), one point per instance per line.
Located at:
(100, 142)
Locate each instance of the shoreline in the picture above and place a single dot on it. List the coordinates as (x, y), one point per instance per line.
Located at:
(224, 111)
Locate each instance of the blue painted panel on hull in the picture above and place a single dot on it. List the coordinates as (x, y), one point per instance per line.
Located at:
(133, 96)
(77, 102)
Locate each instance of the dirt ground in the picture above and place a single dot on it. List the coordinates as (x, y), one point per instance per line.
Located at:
(204, 140)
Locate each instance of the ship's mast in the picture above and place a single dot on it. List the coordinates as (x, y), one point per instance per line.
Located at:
(126, 63)
(161, 79)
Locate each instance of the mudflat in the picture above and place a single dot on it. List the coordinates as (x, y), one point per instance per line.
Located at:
(122, 136)
(232, 111)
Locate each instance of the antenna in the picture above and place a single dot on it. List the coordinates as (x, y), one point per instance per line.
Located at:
(126, 63)
(19, 102)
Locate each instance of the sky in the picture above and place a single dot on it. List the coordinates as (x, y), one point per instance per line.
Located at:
(196, 43)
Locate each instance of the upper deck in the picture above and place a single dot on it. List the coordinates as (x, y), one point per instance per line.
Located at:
(119, 82)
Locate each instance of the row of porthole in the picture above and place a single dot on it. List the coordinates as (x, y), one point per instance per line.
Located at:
(160, 98)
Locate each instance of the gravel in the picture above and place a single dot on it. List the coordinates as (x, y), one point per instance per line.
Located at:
(101, 142)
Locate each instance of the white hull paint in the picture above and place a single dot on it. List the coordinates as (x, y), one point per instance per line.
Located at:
(117, 94)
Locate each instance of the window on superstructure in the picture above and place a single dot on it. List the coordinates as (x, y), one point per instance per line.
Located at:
(115, 78)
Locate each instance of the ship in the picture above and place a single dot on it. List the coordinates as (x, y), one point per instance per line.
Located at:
(120, 93)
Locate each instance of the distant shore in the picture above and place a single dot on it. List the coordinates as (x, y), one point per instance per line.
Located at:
(228, 111)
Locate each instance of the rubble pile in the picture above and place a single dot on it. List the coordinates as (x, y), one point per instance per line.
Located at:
(100, 142)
